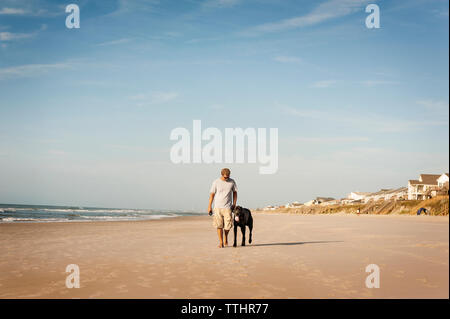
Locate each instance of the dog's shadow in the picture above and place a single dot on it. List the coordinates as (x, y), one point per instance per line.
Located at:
(293, 243)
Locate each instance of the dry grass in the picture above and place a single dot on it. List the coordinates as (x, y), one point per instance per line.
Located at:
(438, 206)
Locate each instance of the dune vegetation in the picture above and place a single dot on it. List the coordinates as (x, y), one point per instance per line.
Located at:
(437, 206)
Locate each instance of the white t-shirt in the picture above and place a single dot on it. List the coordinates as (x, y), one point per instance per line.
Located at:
(223, 191)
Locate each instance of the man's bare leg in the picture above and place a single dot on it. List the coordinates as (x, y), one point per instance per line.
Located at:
(220, 234)
(226, 237)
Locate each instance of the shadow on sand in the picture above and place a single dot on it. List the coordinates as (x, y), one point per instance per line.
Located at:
(294, 243)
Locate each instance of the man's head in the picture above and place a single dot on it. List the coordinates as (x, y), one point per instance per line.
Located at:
(225, 173)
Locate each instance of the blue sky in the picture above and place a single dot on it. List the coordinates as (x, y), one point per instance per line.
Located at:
(86, 113)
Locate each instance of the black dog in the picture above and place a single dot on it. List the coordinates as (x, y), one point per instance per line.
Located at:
(242, 217)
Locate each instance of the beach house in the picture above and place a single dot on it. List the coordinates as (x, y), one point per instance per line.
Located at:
(293, 205)
(320, 200)
(388, 194)
(421, 189)
(310, 203)
(358, 195)
(331, 202)
(443, 181)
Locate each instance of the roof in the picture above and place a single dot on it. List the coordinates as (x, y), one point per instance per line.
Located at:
(391, 191)
(397, 190)
(382, 191)
(429, 179)
(325, 199)
(414, 181)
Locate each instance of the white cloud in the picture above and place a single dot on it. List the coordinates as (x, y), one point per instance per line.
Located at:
(374, 122)
(441, 13)
(8, 36)
(154, 98)
(305, 113)
(127, 148)
(115, 42)
(220, 3)
(434, 105)
(288, 59)
(12, 11)
(198, 40)
(30, 70)
(332, 139)
(323, 84)
(34, 8)
(127, 6)
(325, 11)
(372, 83)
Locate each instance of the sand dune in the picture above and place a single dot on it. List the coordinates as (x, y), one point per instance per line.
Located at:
(293, 256)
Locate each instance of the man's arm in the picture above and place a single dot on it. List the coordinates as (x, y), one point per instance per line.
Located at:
(211, 198)
(234, 199)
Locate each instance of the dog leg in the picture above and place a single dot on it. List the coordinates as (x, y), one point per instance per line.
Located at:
(250, 226)
(243, 235)
(235, 235)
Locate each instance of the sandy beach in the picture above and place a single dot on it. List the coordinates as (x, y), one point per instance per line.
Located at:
(292, 256)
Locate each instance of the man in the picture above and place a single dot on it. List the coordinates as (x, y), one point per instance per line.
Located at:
(224, 194)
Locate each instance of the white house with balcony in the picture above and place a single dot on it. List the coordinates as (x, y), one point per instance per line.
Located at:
(443, 181)
(421, 189)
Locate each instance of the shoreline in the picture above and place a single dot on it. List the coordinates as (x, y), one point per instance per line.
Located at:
(256, 212)
(99, 221)
(438, 206)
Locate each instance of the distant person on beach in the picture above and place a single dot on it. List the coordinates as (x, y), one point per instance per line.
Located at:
(224, 194)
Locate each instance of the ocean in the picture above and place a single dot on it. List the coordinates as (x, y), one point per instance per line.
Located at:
(10, 213)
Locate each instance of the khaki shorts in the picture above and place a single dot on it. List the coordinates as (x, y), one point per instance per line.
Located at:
(222, 218)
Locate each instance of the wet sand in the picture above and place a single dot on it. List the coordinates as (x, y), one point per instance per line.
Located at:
(292, 256)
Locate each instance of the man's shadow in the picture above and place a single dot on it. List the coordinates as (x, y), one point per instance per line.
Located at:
(294, 243)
